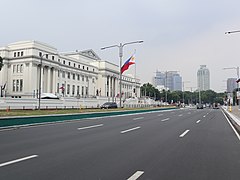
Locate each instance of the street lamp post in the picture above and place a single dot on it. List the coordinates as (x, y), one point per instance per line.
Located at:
(120, 47)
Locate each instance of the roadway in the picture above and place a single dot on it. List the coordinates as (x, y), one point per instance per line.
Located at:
(184, 144)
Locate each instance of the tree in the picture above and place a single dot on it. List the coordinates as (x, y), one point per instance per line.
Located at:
(1, 63)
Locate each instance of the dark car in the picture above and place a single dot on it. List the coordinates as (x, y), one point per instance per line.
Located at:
(108, 105)
(215, 106)
(199, 106)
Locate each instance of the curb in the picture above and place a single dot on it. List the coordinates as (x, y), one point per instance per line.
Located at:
(17, 122)
(233, 119)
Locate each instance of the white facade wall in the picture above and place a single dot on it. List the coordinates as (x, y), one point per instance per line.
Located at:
(81, 74)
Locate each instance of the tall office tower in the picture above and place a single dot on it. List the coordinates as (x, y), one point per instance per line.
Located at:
(170, 80)
(203, 78)
(231, 84)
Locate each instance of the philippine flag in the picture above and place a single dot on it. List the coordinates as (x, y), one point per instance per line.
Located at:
(129, 62)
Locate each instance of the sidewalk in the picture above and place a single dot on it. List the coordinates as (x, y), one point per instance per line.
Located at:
(234, 114)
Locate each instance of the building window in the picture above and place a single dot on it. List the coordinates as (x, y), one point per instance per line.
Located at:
(78, 90)
(73, 90)
(68, 75)
(58, 73)
(14, 68)
(63, 74)
(40, 54)
(18, 54)
(74, 65)
(79, 66)
(63, 61)
(93, 70)
(87, 68)
(93, 80)
(86, 78)
(17, 85)
(59, 60)
(73, 76)
(86, 91)
(69, 63)
(14, 85)
(18, 69)
(15, 54)
(83, 67)
(78, 77)
(53, 58)
(82, 78)
(58, 87)
(47, 56)
(68, 88)
(82, 90)
(21, 85)
(21, 68)
(21, 53)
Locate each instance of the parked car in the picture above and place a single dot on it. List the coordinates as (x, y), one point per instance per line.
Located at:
(108, 105)
(199, 106)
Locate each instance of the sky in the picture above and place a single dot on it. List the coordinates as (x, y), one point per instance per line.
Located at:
(178, 35)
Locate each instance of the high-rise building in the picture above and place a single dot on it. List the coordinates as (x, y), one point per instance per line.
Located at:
(170, 80)
(231, 84)
(203, 78)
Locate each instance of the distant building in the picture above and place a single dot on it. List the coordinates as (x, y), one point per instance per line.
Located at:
(231, 84)
(203, 78)
(170, 80)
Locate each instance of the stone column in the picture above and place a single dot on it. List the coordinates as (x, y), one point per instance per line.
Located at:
(48, 80)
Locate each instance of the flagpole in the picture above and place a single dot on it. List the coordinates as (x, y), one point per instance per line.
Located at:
(135, 93)
(120, 47)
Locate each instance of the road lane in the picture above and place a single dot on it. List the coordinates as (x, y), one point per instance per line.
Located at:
(103, 153)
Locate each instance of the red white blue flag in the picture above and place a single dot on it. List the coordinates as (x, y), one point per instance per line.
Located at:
(129, 62)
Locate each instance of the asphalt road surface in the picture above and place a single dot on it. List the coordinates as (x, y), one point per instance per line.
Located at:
(187, 144)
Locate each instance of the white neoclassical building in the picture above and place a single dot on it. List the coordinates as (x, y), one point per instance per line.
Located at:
(76, 74)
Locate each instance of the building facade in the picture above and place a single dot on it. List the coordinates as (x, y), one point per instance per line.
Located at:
(231, 84)
(75, 74)
(203, 78)
(170, 80)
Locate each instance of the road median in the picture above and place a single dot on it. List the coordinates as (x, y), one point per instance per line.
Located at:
(14, 122)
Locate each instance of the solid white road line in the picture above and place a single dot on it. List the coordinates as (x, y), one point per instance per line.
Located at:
(165, 119)
(234, 130)
(18, 160)
(138, 118)
(88, 127)
(132, 129)
(198, 121)
(183, 134)
(136, 175)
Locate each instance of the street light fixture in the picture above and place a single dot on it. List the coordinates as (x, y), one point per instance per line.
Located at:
(40, 78)
(120, 47)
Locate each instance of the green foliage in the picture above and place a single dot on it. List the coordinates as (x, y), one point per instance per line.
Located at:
(1, 63)
(208, 96)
